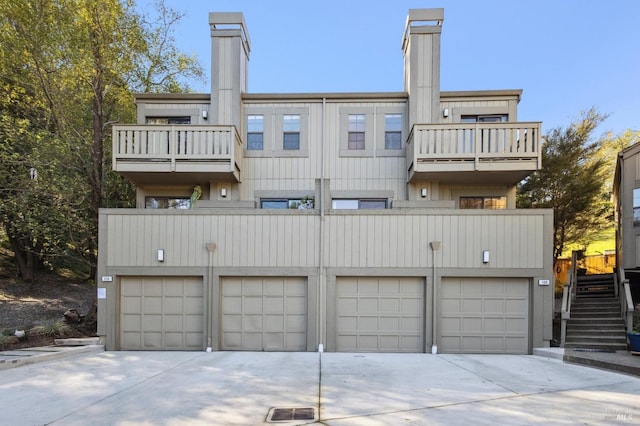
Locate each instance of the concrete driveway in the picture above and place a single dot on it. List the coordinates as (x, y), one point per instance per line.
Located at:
(239, 388)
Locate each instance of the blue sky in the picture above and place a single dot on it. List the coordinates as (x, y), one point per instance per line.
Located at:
(566, 55)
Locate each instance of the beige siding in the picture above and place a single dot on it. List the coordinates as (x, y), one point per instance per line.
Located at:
(285, 173)
(390, 241)
(242, 240)
(374, 240)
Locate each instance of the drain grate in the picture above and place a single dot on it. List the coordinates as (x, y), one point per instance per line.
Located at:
(289, 414)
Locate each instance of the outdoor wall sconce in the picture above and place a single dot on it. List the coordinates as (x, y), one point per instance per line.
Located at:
(445, 112)
(485, 256)
(205, 114)
(223, 192)
(160, 255)
(423, 192)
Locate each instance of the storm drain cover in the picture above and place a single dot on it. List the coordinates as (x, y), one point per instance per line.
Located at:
(290, 414)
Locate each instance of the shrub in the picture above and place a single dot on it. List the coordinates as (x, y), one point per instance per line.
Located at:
(50, 329)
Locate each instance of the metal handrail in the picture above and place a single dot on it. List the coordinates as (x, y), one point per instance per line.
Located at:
(626, 301)
(568, 294)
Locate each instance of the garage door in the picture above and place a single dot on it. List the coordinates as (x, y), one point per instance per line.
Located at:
(484, 315)
(377, 314)
(264, 314)
(164, 313)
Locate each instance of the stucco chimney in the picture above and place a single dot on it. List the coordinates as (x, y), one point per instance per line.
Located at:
(230, 47)
(421, 48)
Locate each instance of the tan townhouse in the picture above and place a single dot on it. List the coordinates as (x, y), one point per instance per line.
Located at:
(356, 222)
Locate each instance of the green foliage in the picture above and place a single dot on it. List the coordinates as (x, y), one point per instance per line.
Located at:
(67, 72)
(572, 182)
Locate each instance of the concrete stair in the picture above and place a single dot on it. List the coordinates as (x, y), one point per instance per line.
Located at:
(596, 324)
(595, 286)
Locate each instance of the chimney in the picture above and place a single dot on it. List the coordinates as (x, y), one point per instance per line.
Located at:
(230, 47)
(421, 49)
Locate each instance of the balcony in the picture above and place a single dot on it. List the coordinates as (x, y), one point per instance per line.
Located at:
(491, 153)
(178, 154)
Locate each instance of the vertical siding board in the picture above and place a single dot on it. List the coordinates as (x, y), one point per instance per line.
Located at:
(348, 242)
(338, 254)
(297, 242)
(393, 247)
(379, 241)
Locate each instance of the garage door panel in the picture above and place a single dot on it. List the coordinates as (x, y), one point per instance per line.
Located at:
(484, 315)
(268, 313)
(494, 305)
(153, 340)
(252, 322)
(296, 323)
(379, 314)
(232, 340)
(274, 305)
(274, 323)
(389, 305)
(168, 313)
(231, 304)
(151, 322)
(152, 305)
(471, 305)
(515, 306)
(131, 305)
(392, 323)
(152, 288)
(273, 341)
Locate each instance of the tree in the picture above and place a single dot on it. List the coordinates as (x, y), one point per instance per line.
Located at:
(572, 182)
(67, 71)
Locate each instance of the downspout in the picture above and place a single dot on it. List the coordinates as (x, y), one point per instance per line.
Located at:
(209, 314)
(435, 246)
(322, 273)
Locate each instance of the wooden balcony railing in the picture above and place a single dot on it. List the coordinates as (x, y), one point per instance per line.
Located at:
(474, 147)
(177, 148)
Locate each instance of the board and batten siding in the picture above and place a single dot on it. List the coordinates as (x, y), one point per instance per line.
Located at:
(370, 172)
(352, 239)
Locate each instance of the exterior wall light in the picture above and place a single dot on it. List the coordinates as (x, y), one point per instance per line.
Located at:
(160, 255)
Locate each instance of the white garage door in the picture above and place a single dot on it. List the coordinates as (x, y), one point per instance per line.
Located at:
(164, 313)
(264, 314)
(379, 314)
(484, 315)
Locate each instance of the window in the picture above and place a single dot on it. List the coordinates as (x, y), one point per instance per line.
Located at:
(495, 203)
(255, 132)
(287, 203)
(359, 204)
(636, 207)
(495, 118)
(356, 131)
(168, 120)
(291, 131)
(167, 202)
(393, 131)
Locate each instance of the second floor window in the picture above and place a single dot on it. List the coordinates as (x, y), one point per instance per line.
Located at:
(255, 132)
(291, 132)
(356, 131)
(168, 120)
(495, 203)
(393, 131)
(287, 203)
(358, 204)
(167, 202)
